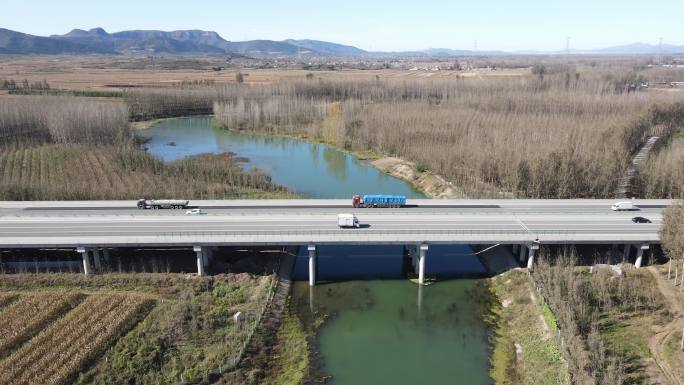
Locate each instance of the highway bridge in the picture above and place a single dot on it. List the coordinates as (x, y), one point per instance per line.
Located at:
(92, 227)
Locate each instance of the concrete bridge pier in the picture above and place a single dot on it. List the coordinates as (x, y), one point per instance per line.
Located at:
(107, 259)
(626, 249)
(522, 253)
(421, 263)
(87, 270)
(640, 255)
(200, 259)
(312, 264)
(97, 260)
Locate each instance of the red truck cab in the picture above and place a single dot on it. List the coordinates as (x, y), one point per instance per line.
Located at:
(356, 201)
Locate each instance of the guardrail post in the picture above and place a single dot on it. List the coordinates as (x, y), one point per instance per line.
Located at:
(421, 263)
(312, 264)
(86, 260)
(200, 259)
(640, 255)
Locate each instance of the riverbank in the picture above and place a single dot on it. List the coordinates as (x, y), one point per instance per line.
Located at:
(432, 185)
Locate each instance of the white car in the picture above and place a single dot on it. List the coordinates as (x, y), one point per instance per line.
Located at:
(622, 206)
(195, 212)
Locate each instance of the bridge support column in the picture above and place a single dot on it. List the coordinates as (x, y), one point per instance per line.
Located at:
(86, 260)
(207, 255)
(530, 259)
(640, 255)
(522, 254)
(200, 259)
(107, 259)
(312, 264)
(625, 252)
(96, 259)
(421, 263)
(614, 252)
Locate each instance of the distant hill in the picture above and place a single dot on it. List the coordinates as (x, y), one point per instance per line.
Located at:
(326, 48)
(97, 40)
(642, 48)
(175, 42)
(12, 42)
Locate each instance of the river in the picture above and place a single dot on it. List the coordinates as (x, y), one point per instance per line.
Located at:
(311, 169)
(379, 331)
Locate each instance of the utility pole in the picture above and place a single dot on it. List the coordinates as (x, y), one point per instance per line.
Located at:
(660, 51)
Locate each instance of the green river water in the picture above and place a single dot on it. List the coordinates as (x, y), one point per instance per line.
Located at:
(395, 332)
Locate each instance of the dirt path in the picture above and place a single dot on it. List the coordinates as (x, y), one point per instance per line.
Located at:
(657, 342)
(625, 186)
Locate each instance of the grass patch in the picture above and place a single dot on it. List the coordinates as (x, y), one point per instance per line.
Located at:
(292, 359)
(549, 318)
(539, 361)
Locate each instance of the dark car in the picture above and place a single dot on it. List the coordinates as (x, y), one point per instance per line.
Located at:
(641, 220)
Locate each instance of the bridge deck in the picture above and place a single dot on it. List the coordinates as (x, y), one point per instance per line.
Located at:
(118, 223)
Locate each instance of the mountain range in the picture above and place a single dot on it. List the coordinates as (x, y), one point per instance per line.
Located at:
(99, 41)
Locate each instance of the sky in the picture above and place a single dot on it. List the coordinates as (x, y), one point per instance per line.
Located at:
(373, 25)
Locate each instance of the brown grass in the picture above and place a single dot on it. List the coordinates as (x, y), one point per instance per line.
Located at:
(83, 172)
(560, 137)
(30, 313)
(56, 354)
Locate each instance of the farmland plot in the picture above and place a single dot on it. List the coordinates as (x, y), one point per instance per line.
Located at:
(23, 318)
(57, 353)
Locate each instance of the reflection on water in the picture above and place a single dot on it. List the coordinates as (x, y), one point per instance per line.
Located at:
(314, 170)
(395, 332)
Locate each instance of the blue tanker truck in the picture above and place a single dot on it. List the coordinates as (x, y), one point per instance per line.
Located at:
(378, 201)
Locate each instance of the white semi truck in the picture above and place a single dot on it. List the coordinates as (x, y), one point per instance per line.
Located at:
(162, 204)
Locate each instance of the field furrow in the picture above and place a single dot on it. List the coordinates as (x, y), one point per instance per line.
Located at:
(23, 318)
(7, 298)
(58, 352)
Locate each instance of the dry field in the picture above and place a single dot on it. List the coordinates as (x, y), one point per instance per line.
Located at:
(29, 314)
(100, 73)
(52, 171)
(124, 328)
(57, 353)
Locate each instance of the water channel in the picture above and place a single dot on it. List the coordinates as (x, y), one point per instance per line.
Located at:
(311, 169)
(380, 327)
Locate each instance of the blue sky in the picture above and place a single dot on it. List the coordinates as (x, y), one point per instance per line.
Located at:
(374, 25)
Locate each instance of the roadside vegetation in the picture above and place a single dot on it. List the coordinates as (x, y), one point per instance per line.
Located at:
(127, 328)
